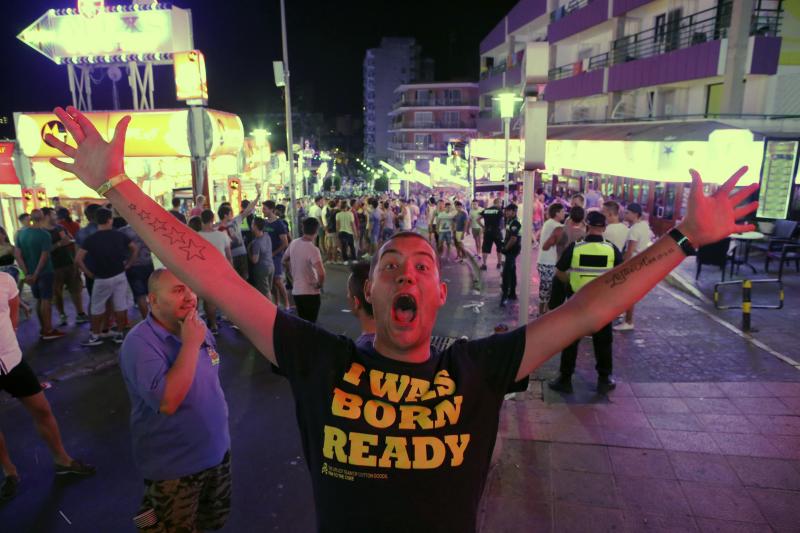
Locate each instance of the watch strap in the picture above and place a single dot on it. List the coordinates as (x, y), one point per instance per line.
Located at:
(110, 184)
(683, 242)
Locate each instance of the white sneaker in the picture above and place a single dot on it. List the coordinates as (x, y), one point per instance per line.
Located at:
(625, 326)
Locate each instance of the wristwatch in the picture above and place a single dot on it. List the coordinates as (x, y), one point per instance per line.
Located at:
(683, 242)
(110, 184)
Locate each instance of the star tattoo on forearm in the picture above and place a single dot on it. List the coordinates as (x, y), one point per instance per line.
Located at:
(193, 247)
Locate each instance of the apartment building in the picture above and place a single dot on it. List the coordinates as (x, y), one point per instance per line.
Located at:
(639, 91)
(395, 62)
(427, 117)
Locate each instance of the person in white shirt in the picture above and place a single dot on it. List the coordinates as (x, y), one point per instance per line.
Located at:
(17, 378)
(638, 241)
(303, 262)
(616, 232)
(546, 263)
(222, 242)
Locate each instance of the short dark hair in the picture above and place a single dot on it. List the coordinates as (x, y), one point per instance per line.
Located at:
(195, 223)
(576, 214)
(359, 274)
(258, 223)
(90, 210)
(310, 226)
(63, 213)
(102, 216)
(223, 211)
(47, 210)
(269, 204)
(207, 216)
(176, 202)
(23, 216)
(245, 203)
(554, 209)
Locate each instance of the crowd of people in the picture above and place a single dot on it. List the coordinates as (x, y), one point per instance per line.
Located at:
(387, 423)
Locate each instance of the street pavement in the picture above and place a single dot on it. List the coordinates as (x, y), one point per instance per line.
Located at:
(702, 433)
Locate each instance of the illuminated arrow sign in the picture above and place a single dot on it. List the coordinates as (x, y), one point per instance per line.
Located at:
(112, 34)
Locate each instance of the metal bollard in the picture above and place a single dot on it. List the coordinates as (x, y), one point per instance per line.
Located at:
(747, 287)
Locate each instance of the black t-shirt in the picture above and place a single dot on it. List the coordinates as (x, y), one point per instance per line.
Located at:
(330, 220)
(60, 256)
(108, 250)
(275, 229)
(565, 261)
(395, 446)
(513, 229)
(492, 219)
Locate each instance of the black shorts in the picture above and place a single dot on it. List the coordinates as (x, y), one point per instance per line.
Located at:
(492, 237)
(21, 382)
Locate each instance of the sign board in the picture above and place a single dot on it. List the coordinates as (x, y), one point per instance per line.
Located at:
(111, 34)
(8, 175)
(190, 75)
(777, 176)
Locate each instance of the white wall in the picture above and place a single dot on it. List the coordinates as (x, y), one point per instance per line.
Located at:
(756, 95)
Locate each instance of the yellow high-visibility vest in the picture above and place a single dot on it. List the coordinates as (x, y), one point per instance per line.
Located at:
(590, 260)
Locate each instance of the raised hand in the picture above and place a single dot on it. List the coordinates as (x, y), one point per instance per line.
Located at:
(94, 159)
(712, 218)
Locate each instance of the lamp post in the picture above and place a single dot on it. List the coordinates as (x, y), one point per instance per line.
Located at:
(507, 102)
(260, 136)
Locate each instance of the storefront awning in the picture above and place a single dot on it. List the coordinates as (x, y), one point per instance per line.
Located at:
(660, 131)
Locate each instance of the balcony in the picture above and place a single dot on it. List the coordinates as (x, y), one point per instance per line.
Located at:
(437, 102)
(685, 49)
(418, 147)
(576, 16)
(433, 125)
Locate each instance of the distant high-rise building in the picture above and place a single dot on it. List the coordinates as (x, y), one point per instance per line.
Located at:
(395, 62)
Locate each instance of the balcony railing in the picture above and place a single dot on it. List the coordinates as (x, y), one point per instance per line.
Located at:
(563, 11)
(436, 102)
(707, 25)
(435, 124)
(573, 69)
(419, 147)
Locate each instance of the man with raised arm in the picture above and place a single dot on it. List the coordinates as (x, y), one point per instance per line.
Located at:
(397, 437)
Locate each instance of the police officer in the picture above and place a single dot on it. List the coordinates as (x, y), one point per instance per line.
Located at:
(492, 231)
(511, 249)
(582, 262)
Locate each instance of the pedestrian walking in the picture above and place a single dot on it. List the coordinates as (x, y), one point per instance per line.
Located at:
(638, 240)
(492, 218)
(17, 379)
(260, 254)
(303, 263)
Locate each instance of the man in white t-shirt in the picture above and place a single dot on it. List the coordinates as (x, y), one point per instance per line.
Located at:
(222, 242)
(303, 262)
(616, 232)
(548, 257)
(18, 379)
(638, 241)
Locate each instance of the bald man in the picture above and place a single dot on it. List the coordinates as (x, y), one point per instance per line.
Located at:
(179, 416)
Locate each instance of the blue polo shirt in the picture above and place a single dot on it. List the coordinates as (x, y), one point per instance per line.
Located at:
(196, 436)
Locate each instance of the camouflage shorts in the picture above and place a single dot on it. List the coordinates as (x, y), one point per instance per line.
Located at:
(200, 501)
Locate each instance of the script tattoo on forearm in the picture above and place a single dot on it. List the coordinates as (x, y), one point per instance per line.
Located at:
(192, 246)
(621, 276)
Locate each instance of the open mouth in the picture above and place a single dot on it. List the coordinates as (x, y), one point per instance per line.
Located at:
(404, 308)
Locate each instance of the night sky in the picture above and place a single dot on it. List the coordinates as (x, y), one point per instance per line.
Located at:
(241, 38)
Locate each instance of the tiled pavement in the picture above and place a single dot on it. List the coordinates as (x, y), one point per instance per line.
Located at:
(653, 457)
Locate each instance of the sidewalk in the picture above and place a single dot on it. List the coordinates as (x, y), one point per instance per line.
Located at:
(656, 456)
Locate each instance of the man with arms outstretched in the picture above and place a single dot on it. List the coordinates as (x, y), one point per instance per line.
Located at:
(397, 437)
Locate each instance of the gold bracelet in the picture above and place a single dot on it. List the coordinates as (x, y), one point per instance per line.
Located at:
(110, 184)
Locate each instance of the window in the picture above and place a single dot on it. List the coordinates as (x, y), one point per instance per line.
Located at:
(422, 141)
(423, 96)
(451, 118)
(452, 96)
(423, 119)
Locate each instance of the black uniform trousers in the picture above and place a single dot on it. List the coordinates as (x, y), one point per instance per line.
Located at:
(509, 276)
(602, 341)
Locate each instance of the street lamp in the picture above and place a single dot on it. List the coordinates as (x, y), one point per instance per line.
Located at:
(507, 103)
(260, 137)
